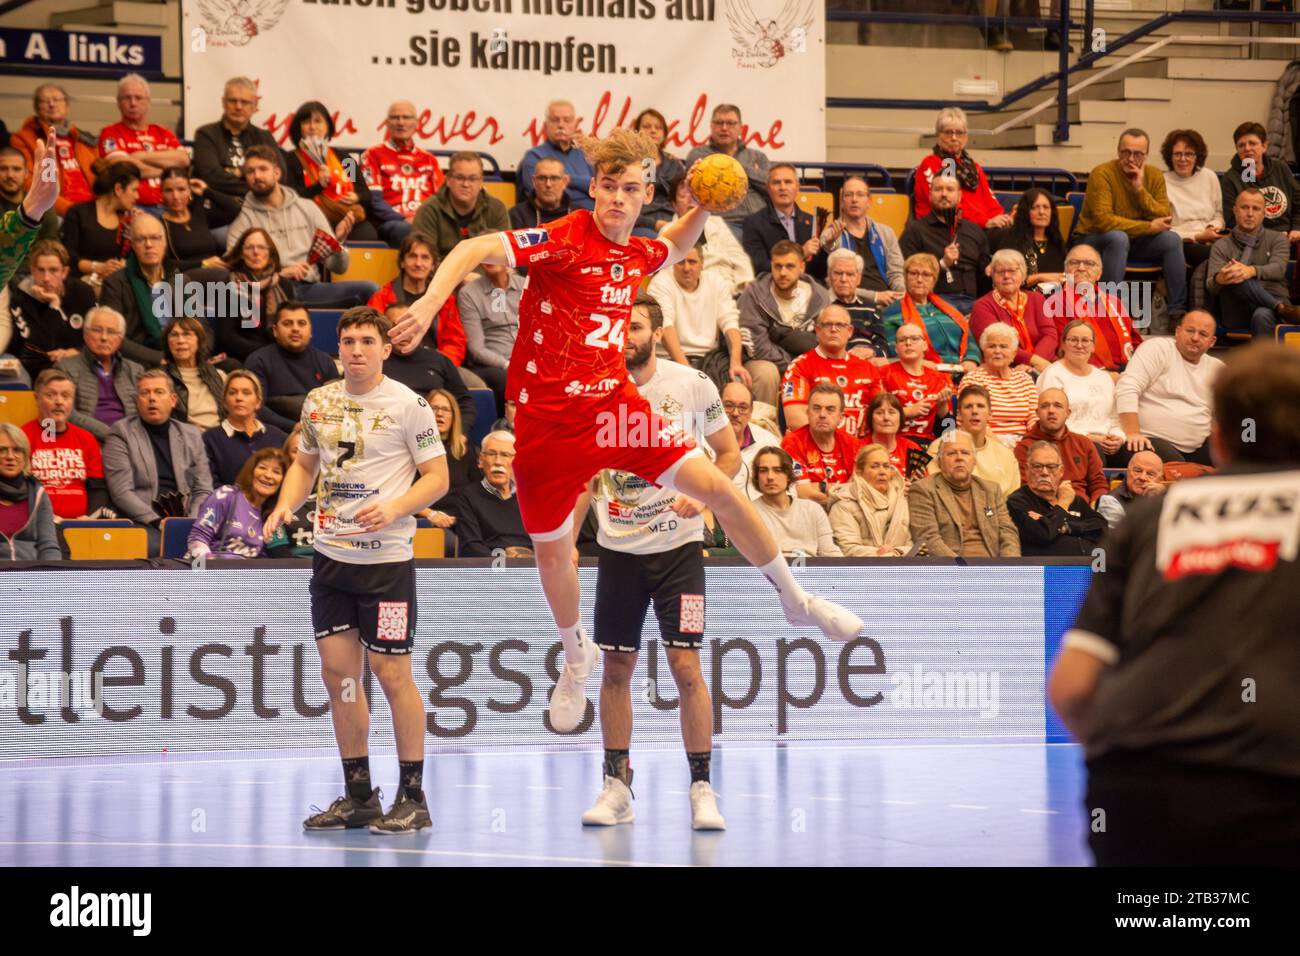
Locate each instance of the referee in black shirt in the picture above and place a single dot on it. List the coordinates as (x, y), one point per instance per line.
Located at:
(1181, 676)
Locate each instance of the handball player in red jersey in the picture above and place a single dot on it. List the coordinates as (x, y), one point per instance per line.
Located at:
(577, 413)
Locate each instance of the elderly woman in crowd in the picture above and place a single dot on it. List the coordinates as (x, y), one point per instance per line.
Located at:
(230, 522)
(26, 515)
(254, 259)
(1035, 234)
(1194, 194)
(199, 384)
(1023, 310)
(948, 340)
(978, 204)
(1091, 392)
(884, 420)
(316, 173)
(1014, 397)
(869, 512)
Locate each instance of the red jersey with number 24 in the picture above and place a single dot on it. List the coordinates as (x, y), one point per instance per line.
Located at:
(574, 312)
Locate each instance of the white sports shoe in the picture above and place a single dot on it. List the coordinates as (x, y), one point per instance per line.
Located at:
(704, 808)
(837, 623)
(613, 806)
(569, 702)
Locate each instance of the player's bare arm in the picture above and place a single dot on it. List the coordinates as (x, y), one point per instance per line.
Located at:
(295, 488)
(726, 451)
(428, 488)
(682, 234)
(1072, 688)
(467, 256)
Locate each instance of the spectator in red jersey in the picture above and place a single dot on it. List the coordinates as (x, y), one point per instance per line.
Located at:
(315, 172)
(955, 514)
(884, 427)
(462, 207)
(191, 211)
(65, 458)
(26, 519)
(653, 126)
(97, 234)
(1014, 396)
(46, 310)
(417, 261)
(830, 362)
(822, 452)
(799, 526)
(978, 204)
(219, 147)
(548, 199)
(994, 461)
(869, 514)
(1079, 298)
(560, 132)
(147, 146)
(1036, 332)
(76, 155)
(401, 176)
(924, 391)
(1082, 463)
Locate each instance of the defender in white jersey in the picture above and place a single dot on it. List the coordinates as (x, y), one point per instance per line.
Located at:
(366, 437)
(651, 549)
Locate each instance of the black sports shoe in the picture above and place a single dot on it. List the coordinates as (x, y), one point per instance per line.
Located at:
(407, 816)
(346, 813)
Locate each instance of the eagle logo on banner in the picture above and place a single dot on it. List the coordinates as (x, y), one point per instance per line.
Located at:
(236, 22)
(764, 43)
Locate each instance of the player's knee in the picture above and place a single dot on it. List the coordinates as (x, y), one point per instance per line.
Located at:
(685, 667)
(617, 668)
(391, 670)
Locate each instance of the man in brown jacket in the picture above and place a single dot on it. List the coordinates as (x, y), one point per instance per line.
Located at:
(955, 514)
(1079, 455)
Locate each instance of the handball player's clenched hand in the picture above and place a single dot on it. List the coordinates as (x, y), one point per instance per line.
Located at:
(410, 329)
(376, 517)
(274, 520)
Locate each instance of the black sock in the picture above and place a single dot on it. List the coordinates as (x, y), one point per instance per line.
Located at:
(356, 777)
(699, 765)
(616, 765)
(411, 773)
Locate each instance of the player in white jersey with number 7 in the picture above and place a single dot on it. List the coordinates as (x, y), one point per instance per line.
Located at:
(567, 371)
(651, 551)
(367, 436)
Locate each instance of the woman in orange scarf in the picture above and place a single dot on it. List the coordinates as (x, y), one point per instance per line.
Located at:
(947, 331)
(316, 173)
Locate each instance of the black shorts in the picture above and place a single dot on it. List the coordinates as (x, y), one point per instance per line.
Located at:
(376, 599)
(627, 583)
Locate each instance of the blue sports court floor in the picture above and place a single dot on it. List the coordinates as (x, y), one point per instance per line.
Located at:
(907, 803)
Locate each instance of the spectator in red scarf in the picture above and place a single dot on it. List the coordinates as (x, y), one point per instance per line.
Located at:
(1022, 310)
(948, 340)
(1080, 298)
(315, 171)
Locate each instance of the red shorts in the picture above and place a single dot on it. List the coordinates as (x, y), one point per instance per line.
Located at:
(555, 458)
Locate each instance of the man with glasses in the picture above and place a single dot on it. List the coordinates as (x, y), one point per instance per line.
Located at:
(104, 379)
(462, 207)
(1050, 516)
(1126, 214)
(75, 154)
(881, 273)
(487, 515)
(738, 403)
(1081, 462)
(560, 128)
(549, 198)
(401, 176)
(129, 290)
(219, 147)
(725, 136)
(830, 362)
(151, 148)
(781, 220)
(1081, 298)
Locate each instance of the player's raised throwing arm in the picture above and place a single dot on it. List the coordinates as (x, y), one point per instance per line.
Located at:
(467, 256)
(683, 233)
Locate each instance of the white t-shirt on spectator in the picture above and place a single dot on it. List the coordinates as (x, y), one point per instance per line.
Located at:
(1170, 395)
(1092, 398)
(701, 317)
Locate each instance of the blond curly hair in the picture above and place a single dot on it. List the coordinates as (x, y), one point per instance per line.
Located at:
(621, 149)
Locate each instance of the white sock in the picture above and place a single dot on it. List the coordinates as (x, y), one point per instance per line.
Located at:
(574, 640)
(778, 572)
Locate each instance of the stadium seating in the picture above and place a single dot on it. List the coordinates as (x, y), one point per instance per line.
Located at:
(175, 536)
(106, 543)
(325, 329)
(429, 543)
(1288, 335)
(17, 407)
(892, 209)
(370, 263)
(809, 201)
(485, 413)
(500, 190)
